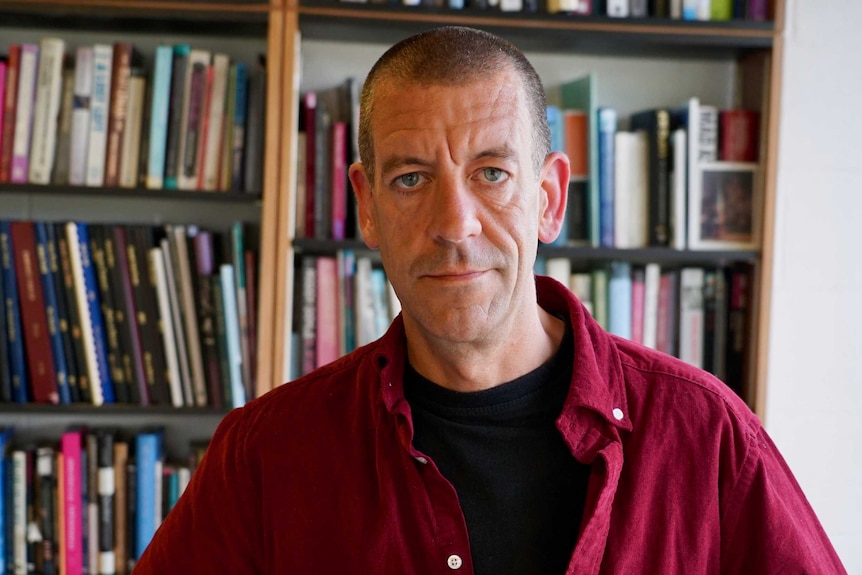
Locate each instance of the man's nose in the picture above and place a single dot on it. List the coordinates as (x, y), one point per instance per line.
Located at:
(455, 216)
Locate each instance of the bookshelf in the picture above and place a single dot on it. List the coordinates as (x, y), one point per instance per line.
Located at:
(640, 64)
(244, 31)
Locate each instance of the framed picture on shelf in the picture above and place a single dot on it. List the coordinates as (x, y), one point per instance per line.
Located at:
(724, 207)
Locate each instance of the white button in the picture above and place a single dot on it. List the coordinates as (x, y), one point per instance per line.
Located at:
(422, 460)
(454, 562)
(618, 413)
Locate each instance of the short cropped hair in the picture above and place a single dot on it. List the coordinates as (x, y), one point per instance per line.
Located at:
(453, 56)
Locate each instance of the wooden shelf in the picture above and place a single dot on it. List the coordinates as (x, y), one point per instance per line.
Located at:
(122, 193)
(553, 33)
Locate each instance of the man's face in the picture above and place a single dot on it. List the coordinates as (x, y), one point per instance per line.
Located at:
(456, 207)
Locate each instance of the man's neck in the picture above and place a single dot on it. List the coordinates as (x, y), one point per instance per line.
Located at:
(476, 366)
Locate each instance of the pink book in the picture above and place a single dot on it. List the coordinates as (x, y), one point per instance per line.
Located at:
(26, 101)
(638, 294)
(2, 92)
(70, 445)
(665, 299)
(339, 180)
(328, 334)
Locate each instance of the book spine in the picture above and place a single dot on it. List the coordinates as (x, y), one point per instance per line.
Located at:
(159, 109)
(620, 299)
(43, 379)
(19, 511)
(215, 129)
(75, 329)
(310, 116)
(121, 72)
(100, 102)
(50, 293)
(607, 133)
(80, 134)
(240, 114)
(121, 544)
(60, 173)
(48, 86)
(73, 510)
(148, 477)
(618, 8)
(221, 338)
(238, 246)
(738, 139)
(5, 370)
(638, 296)
(45, 487)
(14, 332)
(251, 315)
(130, 159)
(176, 317)
(758, 10)
(679, 189)
(106, 488)
(3, 75)
(189, 312)
(133, 329)
(326, 342)
(339, 180)
(204, 265)
(24, 113)
(691, 316)
(238, 395)
(64, 324)
(123, 316)
(255, 133)
(10, 95)
(173, 145)
(156, 261)
(652, 278)
(193, 114)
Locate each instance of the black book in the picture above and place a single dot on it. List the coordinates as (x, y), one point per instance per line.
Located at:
(64, 321)
(656, 124)
(5, 372)
(46, 485)
(106, 492)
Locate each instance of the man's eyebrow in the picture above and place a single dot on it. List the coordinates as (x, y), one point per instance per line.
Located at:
(395, 162)
(499, 152)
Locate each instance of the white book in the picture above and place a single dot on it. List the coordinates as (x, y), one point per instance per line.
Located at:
(19, 511)
(130, 160)
(179, 244)
(618, 8)
(80, 131)
(49, 83)
(177, 320)
(631, 190)
(691, 316)
(100, 106)
(652, 278)
(560, 269)
(679, 189)
(231, 321)
(676, 9)
(707, 141)
(24, 112)
(216, 115)
(511, 5)
(156, 261)
(192, 116)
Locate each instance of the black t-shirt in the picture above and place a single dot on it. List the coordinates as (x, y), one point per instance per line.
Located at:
(521, 490)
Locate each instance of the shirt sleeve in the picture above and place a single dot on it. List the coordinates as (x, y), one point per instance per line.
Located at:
(768, 525)
(214, 527)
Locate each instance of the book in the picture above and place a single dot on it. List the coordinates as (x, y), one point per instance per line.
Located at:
(92, 325)
(237, 235)
(239, 119)
(37, 342)
(121, 505)
(232, 328)
(691, 318)
(656, 124)
(52, 315)
(45, 512)
(14, 331)
(10, 96)
(6, 436)
(255, 134)
(638, 297)
(49, 82)
(64, 319)
(667, 329)
(607, 119)
(130, 148)
(204, 261)
(679, 189)
(221, 338)
(600, 296)
(215, 129)
(630, 190)
(157, 265)
(106, 490)
(149, 457)
(620, 299)
(738, 135)
(118, 110)
(192, 118)
(5, 360)
(576, 143)
(80, 130)
(133, 349)
(100, 108)
(60, 173)
(652, 280)
(177, 318)
(172, 148)
(618, 8)
(73, 501)
(18, 515)
(328, 333)
(25, 100)
(159, 110)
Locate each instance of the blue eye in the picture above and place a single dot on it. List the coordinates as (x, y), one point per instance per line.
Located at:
(408, 181)
(494, 175)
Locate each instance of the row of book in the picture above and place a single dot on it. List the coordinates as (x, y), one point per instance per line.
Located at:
(98, 117)
(685, 177)
(712, 10)
(699, 314)
(102, 314)
(88, 503)
(342, 302)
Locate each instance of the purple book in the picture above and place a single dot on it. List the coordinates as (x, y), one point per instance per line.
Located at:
(24, 113)
(758, 10)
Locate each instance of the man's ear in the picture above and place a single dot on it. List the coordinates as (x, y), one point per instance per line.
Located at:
(553, 196)
(362, 189)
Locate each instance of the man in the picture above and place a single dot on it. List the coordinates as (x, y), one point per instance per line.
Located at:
(495, 428)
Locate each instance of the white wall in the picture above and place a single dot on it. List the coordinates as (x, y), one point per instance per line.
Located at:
(814, 394)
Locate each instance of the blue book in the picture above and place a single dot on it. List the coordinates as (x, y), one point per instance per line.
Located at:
(5, 498)
(240, 114)
(160, 105)
(148, 458)
(620, 299)
(231, 321)
(50, 293)
(17, 363)
(93, 311)
(607, 133)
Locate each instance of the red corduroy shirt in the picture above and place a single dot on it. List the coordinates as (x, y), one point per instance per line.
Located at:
(319, 476)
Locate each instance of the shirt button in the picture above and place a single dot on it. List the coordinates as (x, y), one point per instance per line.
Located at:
(454, 562)
(618, 413)
(422, 460)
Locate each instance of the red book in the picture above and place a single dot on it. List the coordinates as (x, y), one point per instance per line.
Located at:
(738, 135)
(327, 311)
(9, 100)
(638, 299)
(120, 77)
(34, 320)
